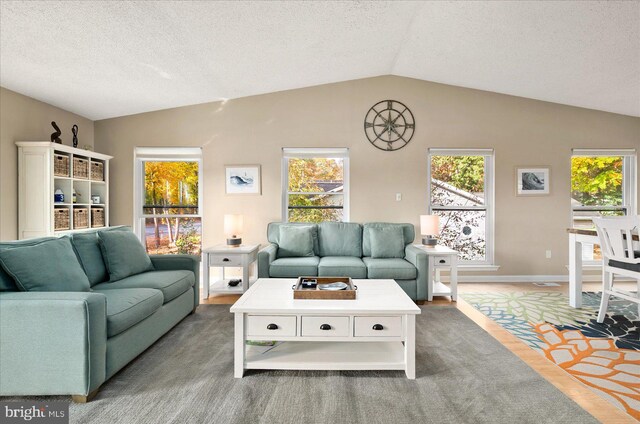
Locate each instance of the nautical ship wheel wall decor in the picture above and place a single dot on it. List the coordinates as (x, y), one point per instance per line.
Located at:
(389, 125)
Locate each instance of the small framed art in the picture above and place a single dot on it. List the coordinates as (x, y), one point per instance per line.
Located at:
(532, 181)
(242, 179)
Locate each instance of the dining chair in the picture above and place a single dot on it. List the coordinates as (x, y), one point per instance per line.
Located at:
(618, 257)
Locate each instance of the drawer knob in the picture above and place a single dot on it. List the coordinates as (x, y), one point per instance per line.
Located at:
(442, 261)
(325, 327)
(377, 327)
(225, 260)
(272, 327)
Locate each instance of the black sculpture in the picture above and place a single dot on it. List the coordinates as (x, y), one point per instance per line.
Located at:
(55, 137)
(74, 130)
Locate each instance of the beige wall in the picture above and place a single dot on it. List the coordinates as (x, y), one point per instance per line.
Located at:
(253, 130)
(25, 119)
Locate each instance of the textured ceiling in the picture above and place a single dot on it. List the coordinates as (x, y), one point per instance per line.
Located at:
(103, 59)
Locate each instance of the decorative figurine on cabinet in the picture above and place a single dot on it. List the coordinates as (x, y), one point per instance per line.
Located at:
(55, 137)
(74, 130)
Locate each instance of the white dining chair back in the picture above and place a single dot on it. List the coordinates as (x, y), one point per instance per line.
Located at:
(616, 236)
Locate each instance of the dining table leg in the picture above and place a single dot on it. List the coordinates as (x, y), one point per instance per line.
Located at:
(575, 271)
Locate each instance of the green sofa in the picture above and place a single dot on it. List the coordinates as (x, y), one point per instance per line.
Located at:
(70, 342)
(349, 249)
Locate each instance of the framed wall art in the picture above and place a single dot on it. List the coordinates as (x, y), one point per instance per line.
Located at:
(532, 181)
(242, 179)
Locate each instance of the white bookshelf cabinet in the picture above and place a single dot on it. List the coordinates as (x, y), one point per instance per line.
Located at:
(39, 179)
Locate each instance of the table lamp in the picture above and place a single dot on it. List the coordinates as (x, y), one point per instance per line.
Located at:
(429, 228)
(233, 227)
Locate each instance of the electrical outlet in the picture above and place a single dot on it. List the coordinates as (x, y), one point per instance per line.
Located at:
(398, 197)
(548, 254)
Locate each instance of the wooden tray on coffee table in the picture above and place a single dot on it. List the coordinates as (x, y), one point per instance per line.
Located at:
(316, 293)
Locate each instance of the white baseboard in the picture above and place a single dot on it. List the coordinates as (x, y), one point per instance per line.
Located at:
(525, 278)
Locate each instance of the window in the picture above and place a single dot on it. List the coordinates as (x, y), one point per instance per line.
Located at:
(315, 185)
(460, 187)
(603, 183)
(167, 199)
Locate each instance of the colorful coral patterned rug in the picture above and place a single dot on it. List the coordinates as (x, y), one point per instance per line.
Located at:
(605, 357)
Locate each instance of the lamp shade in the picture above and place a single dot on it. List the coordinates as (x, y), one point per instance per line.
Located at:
(429, 225)
(233, 225)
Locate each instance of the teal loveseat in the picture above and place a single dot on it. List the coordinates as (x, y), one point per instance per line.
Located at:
(374, 250)
(70, 342)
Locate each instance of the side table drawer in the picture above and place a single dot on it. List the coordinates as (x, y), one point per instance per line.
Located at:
(271, 325)
(378, 326)
(225, 260)
(442, 260)
(325, 326)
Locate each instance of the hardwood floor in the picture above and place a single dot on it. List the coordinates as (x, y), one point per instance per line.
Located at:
(601, 409)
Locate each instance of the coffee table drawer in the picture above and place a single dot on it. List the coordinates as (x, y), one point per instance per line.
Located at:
(377, 326)
(225, 260)
(325, 326)
(271, 325)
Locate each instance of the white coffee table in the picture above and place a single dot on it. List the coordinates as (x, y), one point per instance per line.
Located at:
(376, 331)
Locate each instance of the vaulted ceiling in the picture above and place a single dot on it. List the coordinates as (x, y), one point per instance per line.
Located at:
(103, 59)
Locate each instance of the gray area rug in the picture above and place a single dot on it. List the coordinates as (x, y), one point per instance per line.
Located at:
(463, 376)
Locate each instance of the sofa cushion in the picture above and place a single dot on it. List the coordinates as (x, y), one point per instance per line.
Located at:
(342, 266)
(340, 239)
(395, 268)
(171, 283)
(90, 256)
(50, 265)
(408, 231)
(273, 232)
(295, 241)
(123, 254)
(386, 242)
(294, 267)
(127, 307)
(7, 283)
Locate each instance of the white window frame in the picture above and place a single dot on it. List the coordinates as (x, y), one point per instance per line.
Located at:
(489, 197)
(629, 185)
(314, 153)
(161, 154)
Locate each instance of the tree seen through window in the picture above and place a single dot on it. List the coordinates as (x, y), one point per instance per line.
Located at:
(171, 205)
(315, 189)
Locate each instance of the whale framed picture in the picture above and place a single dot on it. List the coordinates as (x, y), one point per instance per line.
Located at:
(242, 179)
(532, 181)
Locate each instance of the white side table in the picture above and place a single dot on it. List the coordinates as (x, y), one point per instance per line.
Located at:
(224, 256)
(441, 257)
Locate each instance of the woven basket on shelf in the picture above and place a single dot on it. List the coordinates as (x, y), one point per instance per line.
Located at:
(80, 168)
(97, 217)
(61, 219)
(97, 171)
(80, 218)
(60, 165)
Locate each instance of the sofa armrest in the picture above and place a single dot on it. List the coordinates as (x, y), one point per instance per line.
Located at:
(52, 343)
(420, 260)
(177, 262)
(266, 255)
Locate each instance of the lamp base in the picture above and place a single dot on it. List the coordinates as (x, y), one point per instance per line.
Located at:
(234, 242)
(429, 241)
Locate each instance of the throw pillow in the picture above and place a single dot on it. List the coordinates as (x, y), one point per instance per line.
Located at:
(295, 241)
(89, 254)
(123, 254)
(7, 283)
(47, 266)
(387, 242)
